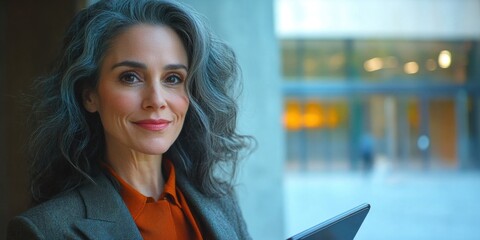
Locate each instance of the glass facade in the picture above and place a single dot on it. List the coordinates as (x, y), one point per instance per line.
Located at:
(349, 104)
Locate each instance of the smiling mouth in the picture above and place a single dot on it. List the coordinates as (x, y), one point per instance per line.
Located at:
(153, 125)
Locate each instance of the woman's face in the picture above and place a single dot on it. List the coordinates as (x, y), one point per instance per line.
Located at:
(141, 96)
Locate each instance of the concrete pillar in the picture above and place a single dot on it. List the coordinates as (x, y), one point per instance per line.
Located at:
(461, 119)
(390, 110)
(474, 78)
(248, 27)
(403, 132)
(475, 151)
(423, 140)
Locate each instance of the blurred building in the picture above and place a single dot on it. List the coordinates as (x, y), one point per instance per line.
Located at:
(394, 81)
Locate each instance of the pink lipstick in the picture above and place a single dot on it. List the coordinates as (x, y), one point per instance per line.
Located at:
(153, 124)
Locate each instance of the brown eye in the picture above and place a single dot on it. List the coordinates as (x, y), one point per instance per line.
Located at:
(173, 79)
(129, 78)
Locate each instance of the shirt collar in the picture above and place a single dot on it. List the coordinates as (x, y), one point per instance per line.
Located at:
(170, 187)
(136, 201)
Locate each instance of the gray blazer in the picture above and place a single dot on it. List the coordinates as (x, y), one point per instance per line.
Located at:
(97, 211)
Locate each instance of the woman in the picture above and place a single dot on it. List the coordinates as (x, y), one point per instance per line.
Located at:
(136, 130)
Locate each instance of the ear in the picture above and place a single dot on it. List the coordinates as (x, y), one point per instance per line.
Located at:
(90, 100)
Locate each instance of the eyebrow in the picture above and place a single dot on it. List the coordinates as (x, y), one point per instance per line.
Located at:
(133, 64)
(136, 64)
(176, 66)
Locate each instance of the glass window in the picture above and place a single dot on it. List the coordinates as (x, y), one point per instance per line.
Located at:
(317, 132)
(375, 60)
(307, 59)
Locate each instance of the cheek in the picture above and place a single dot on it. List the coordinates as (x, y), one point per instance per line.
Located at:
(178, 103)
(117, 104)
(183, 104)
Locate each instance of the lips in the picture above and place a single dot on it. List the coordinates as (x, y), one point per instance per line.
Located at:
(153, 124)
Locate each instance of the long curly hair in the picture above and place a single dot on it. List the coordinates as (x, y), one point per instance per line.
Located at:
(67, 141)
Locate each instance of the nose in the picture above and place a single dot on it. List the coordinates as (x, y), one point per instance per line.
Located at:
(154, 98)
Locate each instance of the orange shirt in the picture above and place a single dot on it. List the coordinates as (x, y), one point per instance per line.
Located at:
(167, 218)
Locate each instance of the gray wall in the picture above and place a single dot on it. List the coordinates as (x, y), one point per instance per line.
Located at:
(3, 182)
(30, 35)
(248, 27)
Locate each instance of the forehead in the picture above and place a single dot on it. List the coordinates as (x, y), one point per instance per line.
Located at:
(148, 43)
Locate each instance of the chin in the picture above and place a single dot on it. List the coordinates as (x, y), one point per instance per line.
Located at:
(155, 146)
(154, 150)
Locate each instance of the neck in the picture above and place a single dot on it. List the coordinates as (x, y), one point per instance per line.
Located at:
(141, 171)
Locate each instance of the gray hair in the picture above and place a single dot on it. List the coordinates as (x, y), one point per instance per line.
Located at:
(68, 141)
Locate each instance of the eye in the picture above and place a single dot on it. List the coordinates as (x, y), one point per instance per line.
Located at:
(129, 78)
(173, 79)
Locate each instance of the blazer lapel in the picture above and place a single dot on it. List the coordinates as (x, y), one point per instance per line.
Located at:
(213, 213)
(107, 217)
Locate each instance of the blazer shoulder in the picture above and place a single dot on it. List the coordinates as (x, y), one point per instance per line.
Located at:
(49, 220)
(65, 205)
(21, 227)
(94, 210)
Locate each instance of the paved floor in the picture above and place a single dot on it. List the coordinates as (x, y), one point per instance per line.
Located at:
(410, 205)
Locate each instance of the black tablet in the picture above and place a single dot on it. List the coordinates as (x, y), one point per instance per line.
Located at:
(341, 227)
